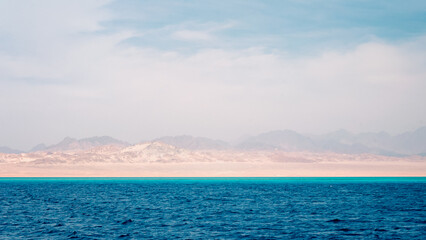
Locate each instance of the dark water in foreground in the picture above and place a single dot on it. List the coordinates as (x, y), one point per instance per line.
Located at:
(249, 208)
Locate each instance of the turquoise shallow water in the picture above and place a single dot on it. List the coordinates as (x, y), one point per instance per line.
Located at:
(222, 179)
(212, 208)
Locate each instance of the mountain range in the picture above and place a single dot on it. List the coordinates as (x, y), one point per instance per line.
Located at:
(194, 143)
(9, 150)
(79, 144)
(408, 143)
(342, 141)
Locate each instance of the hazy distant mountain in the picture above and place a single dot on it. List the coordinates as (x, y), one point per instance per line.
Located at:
(9, 150)
(341, 141)
(379, 143)
(381, 140)
(39, 147)
(193, 143)
(283, 140)
(82, 144)
(411, 142)
(341, 136)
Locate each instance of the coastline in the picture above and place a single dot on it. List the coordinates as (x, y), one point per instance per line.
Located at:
(220, 169)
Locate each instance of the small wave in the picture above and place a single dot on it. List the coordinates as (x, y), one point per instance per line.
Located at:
(128, 221)
(336, 220)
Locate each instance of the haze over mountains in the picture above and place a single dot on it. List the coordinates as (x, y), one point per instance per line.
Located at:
(194, 143)
(81, 144)
(9, 150)
(408, 143)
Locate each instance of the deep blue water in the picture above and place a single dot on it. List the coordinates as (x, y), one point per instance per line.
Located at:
(213, 208)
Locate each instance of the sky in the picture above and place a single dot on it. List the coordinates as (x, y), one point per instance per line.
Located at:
(138, 70)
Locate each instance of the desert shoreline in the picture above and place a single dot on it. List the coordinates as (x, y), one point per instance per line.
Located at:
(219, 169)
(155, 159)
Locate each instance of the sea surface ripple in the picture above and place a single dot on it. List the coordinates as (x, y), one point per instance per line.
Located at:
(210, 209)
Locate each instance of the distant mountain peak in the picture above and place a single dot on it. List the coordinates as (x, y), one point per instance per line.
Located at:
(38, 147)
(340, 141)
(69, 143)
(67, 140)
(5, 149)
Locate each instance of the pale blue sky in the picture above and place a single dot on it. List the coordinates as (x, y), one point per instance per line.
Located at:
(291, 26)
(138, 70)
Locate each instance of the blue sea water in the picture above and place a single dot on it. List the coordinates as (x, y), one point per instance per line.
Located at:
(213, 208)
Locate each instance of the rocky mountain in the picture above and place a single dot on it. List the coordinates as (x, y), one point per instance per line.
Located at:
(194, 143)
(79, 144)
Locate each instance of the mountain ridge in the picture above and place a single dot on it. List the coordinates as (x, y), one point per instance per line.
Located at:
(340, 141)
(4, 149)
(69, 143)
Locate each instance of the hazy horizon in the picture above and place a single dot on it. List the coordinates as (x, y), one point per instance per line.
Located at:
(232, 142)
(139, 70)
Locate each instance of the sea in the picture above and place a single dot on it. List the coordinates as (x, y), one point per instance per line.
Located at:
(213, 208)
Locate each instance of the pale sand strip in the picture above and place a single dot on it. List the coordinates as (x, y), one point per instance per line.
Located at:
(220, 169)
